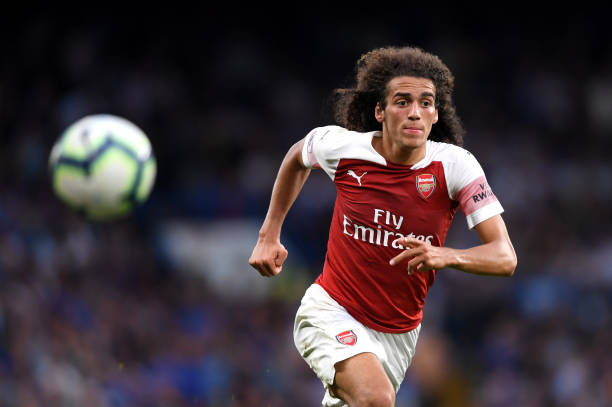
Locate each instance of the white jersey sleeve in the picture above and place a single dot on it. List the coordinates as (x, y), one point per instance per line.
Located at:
(468, 186)
(324, 147)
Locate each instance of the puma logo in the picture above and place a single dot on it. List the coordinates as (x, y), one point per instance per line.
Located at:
(358, 178)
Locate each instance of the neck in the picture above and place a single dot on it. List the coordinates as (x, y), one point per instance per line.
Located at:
(404, 155)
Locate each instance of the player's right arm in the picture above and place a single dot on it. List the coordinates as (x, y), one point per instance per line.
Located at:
(269, 254)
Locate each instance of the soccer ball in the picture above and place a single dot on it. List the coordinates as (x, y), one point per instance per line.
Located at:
(103, 166)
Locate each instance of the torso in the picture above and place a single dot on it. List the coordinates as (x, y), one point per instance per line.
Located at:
(378, 202)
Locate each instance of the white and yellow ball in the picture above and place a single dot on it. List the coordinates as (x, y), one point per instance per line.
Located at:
(103, 166)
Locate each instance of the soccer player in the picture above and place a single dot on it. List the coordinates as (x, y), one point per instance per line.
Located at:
(400, 174)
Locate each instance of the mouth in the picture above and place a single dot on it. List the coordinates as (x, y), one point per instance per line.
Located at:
(413, 130)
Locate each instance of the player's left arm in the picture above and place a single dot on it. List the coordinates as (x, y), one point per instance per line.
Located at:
(495, 256)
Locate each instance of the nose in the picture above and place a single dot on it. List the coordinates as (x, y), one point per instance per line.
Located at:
(414, 113)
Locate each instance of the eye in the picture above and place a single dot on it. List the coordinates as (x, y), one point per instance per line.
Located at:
(402, 102)
(427, 103)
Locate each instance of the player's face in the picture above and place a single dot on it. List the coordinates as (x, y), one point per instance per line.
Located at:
(410, 112)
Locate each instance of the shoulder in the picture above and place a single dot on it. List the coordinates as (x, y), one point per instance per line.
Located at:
(461, 168)
(336, 135)
(336, 140)
(448, 153)
(325, 146)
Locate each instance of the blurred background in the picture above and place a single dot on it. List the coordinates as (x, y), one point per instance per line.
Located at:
(162, 309)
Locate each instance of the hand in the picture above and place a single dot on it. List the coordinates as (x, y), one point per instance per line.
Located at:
(423, 256)
(268, 257)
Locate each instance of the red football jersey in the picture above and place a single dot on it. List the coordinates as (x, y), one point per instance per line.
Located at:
(378, 202)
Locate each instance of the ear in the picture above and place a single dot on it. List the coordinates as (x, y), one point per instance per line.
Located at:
(435, 119)
(379, 113)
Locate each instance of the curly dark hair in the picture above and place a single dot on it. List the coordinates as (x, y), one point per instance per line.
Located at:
(354, 108)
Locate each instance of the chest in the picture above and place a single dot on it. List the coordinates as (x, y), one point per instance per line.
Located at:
(361, 182)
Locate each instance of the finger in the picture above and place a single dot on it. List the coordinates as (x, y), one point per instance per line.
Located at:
(400, 257)
(411, 270)
(280, 258)
(276, 265)
(407, 253)
(274, 270)
(421, 267)
(414, 264)
(417, 260)
(400, 241)
(264, 268)
(419, 263)
(411, 241)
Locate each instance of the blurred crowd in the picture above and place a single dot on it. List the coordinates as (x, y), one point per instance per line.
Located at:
(108, 315)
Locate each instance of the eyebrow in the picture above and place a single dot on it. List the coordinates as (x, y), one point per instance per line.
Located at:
(407, 94)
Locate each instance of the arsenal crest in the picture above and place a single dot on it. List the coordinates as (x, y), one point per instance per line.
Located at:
(426, 184)
(347, 338)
